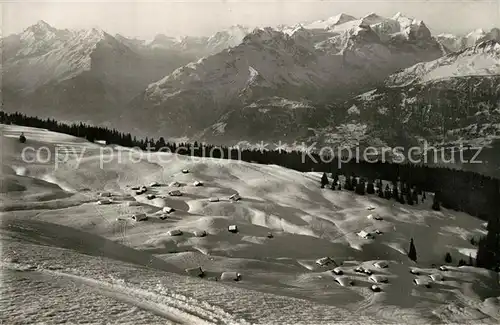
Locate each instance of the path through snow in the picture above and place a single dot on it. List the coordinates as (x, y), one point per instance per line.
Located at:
(173, 307)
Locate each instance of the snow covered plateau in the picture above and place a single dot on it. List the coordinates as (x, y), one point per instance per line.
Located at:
(67, 259)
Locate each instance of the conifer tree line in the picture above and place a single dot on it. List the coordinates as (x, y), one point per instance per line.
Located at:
(466, 191)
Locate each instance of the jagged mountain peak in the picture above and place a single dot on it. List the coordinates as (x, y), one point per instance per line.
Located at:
(401, 26)
(121, 37)
(363, 32)
(495, 31)
(356, 37)
(237, 27)
(479, 60)
(42, 24)
(93, 36)
(229, 37)
(371, 19)
(339, 19)
(331, 22)
(399, 16)
(342, 17)
(489, 46)
(94, 32)
(264, 34)
(478, 31)
(162, 40)
(39, 31)
(455, 43)
(234, 29)
(418, 30)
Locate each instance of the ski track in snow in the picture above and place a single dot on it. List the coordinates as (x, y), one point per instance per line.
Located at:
(173, 307)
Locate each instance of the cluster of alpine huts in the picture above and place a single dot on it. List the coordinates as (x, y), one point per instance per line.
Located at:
(106, 198)
(423, 279)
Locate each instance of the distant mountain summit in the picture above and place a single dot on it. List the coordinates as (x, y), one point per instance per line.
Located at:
(343, 79)
(204, 45)
(454, 43)
(449, 101)
(479, 60)
(330, 22)
(82, 74)
(337, 56)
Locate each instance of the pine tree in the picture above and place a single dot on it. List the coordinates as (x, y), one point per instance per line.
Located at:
(160, 144)
(348, 184)
(409, 198)
(324, 180)
(380, 188)
(415, 196)
(360, 187)
(402, 199)
(387, 192)
(335, 181)
(412, 252)
(488, 251)
(395, 193)
(435, 204)
(483, 255)
(471, 261)
(333, 185)
(447, 258)
(404, 189)
(354, 183)
(370, 187)
(381, 193)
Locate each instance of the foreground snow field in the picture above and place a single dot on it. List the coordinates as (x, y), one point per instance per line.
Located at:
(67, 258)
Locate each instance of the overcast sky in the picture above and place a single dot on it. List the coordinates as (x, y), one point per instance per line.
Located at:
(144, 19)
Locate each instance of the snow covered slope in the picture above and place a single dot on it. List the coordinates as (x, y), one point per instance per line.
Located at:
(455, 43)
(479, 60)
(70, 246)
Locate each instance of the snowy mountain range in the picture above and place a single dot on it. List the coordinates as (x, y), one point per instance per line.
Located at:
(290, 83)
(84, 74)
(448, 102)
(456, 97)
(87, 74)
(345, 56)
(455, 43)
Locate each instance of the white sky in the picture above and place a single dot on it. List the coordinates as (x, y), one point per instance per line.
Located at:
(144, 19)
